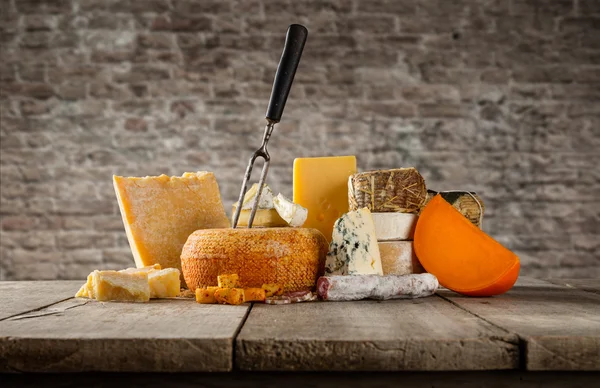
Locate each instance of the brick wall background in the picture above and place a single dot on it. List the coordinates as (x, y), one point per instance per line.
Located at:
(497, 96)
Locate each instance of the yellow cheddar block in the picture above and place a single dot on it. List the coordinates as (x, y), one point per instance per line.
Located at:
(233, 296)
(164, 283)
(205, 296)
(160, 212)
(120, 286)
(254, 295)
(272, 289)
(321, 186)
(228, 281)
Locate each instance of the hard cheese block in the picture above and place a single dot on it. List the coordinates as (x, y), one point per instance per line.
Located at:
(320, 185)
(87, 290)
(164, 283)
(159, 213)
(354, 249)
(398, 258)
(397, 190)
(114, 285)
(461, 255)
(469, 204)
(394, 226)
(291, 257)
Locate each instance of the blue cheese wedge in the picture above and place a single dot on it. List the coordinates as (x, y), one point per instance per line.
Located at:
(294, 214)
(354, 249)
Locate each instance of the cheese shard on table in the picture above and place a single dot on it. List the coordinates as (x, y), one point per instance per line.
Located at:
(394, 226)
(354, 249)
(321, 186)
(160, 212)
(87, 290)
(164, 283)
(265, 201)
(294, 214)
(121, 286)
(398, 258)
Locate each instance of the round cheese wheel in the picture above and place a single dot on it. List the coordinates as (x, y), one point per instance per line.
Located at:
(291, 257)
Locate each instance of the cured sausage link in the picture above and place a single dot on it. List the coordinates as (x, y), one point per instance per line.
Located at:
(357, 287)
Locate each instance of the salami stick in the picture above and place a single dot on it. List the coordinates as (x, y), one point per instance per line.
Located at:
(356, 287)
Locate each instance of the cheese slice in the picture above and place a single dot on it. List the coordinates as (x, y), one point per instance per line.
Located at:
(398, 258)
(164, 283)
(264, 218)
(354, 249)
(294, 214)
(160, 212)
(121, 286)
(321, 186)
(394, 226)
(265, 201)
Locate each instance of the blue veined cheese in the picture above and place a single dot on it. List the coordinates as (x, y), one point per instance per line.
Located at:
(354, 249)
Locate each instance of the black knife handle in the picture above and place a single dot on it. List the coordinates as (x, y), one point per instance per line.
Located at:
(290, 58)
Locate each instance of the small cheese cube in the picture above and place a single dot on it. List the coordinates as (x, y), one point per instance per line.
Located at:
(228, 281)
(230, 296)
(205, 296)
(119, 286)
(164, 283)
(254, 295)
(272, 289)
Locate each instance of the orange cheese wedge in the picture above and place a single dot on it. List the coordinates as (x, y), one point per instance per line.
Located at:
(460, 255)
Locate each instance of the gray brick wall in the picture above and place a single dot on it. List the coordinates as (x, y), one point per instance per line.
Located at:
(497, 96)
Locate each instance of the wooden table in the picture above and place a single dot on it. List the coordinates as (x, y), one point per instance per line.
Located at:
(550, 326)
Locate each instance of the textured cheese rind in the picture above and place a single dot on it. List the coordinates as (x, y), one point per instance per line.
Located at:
(394, 226)
(291, 257)
(292, 213)
(159, 213)
(345, 288)
(164, 283)
(397, 190)
(398, 258)
(120, 286)
(353, 249)
(263, 218)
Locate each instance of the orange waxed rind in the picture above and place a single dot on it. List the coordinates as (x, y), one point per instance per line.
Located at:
(463, 257)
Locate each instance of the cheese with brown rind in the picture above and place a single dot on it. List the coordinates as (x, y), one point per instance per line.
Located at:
(396, 190)
(398, 258)
(291, 257)
(469, 204)
(160, 212)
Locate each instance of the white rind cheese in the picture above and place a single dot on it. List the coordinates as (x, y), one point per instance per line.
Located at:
(398, 258)
(294, 214)
(394, 226)
(265, 201)
(353, 249)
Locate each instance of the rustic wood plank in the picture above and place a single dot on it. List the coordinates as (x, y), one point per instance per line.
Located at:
(80, 335)
(420, 334)
(560, 326)
(20, 297)
(591, 285)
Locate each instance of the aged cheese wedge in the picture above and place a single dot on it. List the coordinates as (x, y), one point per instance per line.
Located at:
(291, 257)
(87, 290)
(354, 249)
(164, 283)
(121, 286)
(320, 185)
(398, 258)
(294, 214)
(264, 218)
(394, 226)
(160, 212)
(397, 190)
(460, 255)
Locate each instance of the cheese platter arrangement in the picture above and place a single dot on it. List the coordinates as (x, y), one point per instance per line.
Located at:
(345, 235)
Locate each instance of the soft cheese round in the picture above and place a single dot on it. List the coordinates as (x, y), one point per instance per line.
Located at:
(394, 226)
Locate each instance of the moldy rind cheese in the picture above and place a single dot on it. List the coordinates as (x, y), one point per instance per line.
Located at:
(160, 212)
(291, 257)
(397, 190)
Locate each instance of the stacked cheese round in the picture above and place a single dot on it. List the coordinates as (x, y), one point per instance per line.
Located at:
(394, 198)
